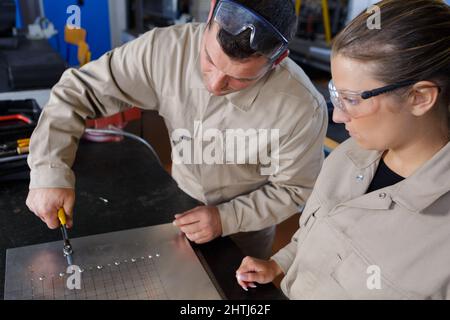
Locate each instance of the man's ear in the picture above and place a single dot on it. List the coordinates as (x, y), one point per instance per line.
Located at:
(211, 10)
(424, 97)
(281, 58)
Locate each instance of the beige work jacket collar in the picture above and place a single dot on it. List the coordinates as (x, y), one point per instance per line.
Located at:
(416, 192)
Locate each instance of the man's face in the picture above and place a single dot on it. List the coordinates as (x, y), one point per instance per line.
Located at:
(221, 74)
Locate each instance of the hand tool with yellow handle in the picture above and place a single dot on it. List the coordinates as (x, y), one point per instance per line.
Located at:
(15, 144)
(67, 249)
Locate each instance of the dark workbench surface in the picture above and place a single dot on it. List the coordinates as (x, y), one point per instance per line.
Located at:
(139, 193)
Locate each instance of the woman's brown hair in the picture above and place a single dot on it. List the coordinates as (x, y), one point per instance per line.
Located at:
(412, 44)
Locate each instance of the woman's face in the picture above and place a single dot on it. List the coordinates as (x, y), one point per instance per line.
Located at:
(385, 121)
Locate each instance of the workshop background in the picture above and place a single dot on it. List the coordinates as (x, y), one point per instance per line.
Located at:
(35, 49)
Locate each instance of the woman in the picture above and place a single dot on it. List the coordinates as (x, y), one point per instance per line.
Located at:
(377, 225)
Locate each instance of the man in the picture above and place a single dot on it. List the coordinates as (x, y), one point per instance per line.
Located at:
(230, 74)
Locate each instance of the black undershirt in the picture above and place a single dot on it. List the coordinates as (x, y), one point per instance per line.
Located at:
(384, 177)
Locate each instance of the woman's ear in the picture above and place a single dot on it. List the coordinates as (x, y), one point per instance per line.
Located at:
(424, 96)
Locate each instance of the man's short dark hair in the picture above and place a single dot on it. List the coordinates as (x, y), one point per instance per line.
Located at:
(280, 13)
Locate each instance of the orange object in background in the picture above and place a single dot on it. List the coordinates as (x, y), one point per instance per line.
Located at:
(74, 35)
(84, 55)
(77, 37)
(117, 121)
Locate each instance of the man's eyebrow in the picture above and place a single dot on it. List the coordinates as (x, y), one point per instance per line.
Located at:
(246, 79)
(208, 56)
(239, 79)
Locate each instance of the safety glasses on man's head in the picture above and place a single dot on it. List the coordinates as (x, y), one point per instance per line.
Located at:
(235, 18)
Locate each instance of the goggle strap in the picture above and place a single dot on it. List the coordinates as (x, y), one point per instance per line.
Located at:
(376, 92)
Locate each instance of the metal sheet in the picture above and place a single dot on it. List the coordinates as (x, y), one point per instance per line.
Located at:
(147, 263)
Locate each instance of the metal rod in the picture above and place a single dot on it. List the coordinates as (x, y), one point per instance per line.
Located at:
(129, 135)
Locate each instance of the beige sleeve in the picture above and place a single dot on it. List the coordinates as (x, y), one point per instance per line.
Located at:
(285, 257)
(301, 157)
(120, 79)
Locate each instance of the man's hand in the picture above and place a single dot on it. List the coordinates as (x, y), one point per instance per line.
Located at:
(201, 224)
(255, 270)
(45, 204)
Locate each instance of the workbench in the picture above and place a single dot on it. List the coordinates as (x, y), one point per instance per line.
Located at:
(120, 186)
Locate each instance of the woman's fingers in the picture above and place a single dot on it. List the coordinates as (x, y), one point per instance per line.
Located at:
(247, 273)
(253, 271)
(252, 277)
(245, 285)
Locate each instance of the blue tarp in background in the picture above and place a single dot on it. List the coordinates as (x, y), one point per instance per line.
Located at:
(94, 18)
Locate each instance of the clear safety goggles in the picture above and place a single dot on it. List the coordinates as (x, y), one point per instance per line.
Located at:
(359, 103)
(265, 38)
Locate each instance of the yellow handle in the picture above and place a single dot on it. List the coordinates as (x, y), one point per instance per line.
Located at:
(24, 141)
(23, 150)
(62, 216)
(326, 21)
(298, 5)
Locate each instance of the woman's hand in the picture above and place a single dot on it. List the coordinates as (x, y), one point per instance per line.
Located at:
(255, 270)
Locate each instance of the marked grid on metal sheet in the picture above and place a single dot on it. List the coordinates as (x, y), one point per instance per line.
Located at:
(155, 262)
(135, 279)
